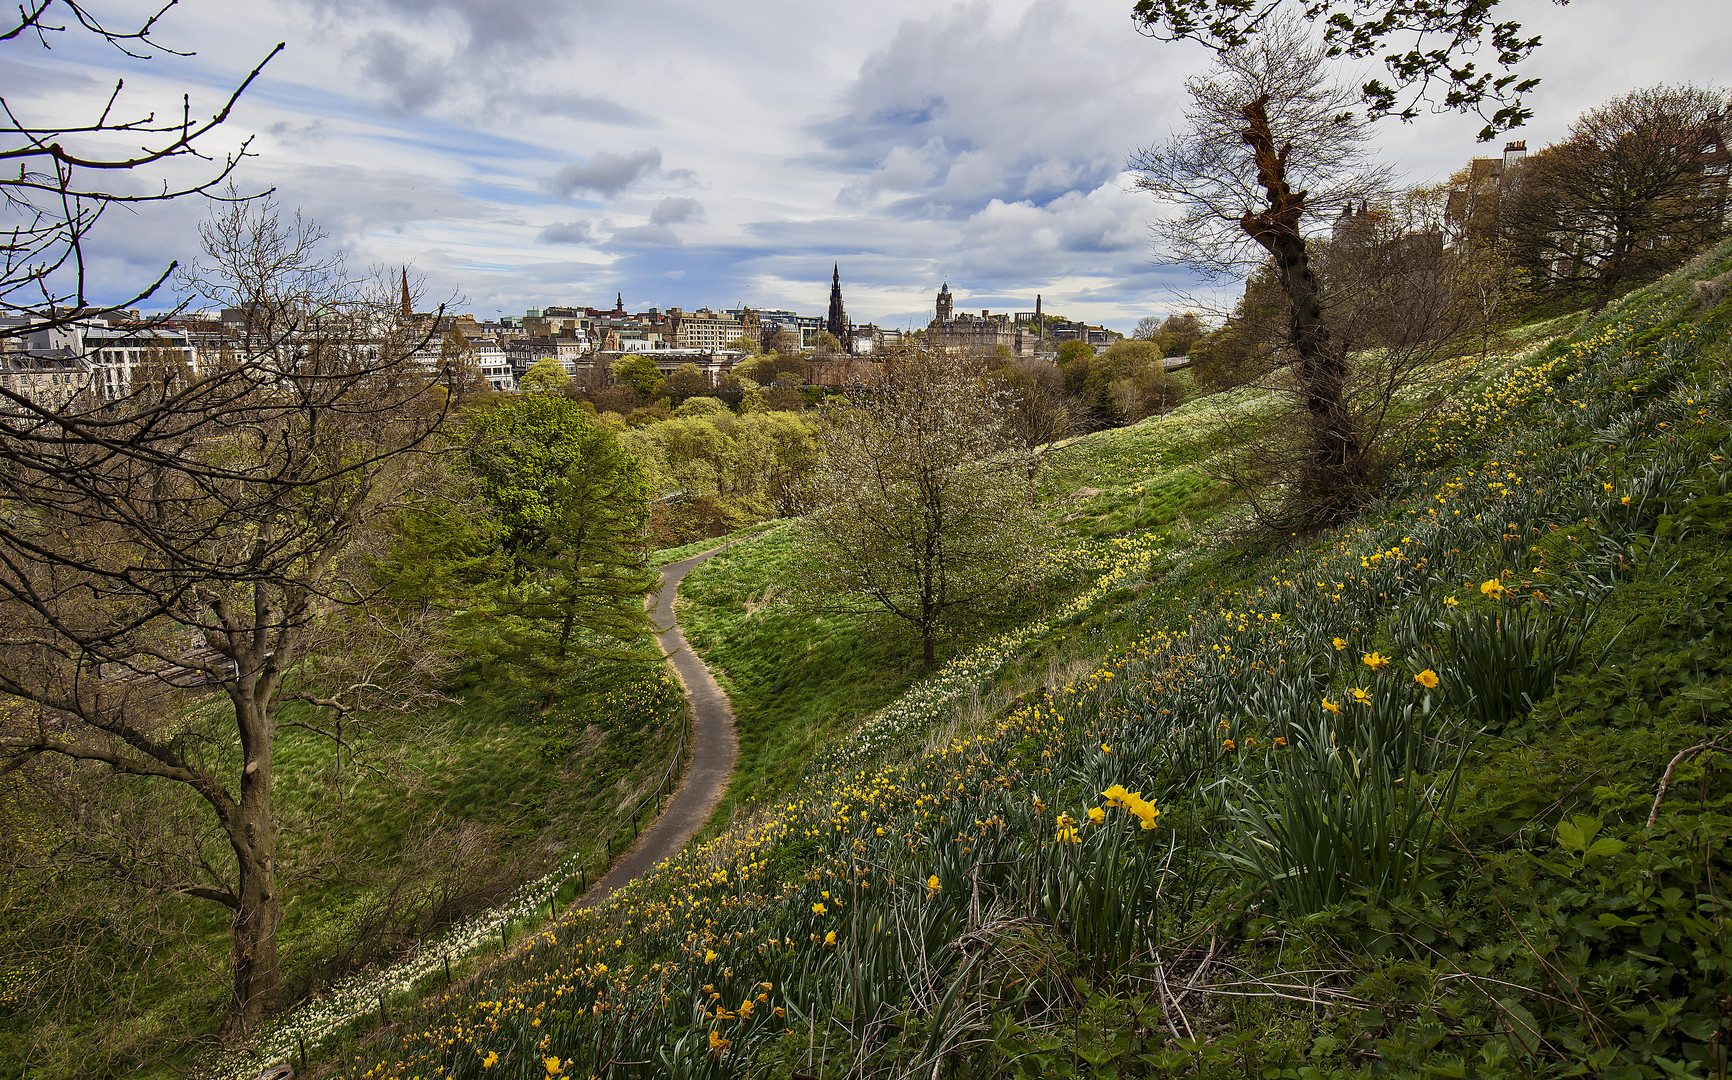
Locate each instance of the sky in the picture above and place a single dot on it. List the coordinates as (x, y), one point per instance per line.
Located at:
(518, 154)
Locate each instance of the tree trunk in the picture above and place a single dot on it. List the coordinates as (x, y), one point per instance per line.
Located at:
(252, 832)
(256, 990)
(1332, 479)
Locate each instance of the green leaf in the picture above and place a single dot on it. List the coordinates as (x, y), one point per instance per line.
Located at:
(1602, 848)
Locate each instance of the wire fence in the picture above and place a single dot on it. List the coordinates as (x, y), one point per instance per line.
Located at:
(658, 798)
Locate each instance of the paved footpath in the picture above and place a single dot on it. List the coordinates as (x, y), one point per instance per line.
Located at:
(714, 748)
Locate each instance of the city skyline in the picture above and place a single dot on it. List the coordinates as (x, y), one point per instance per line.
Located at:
(522, 153)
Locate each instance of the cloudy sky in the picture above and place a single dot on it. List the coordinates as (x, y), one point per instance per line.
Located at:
(521, 153)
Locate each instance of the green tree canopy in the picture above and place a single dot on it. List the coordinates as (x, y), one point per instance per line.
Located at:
(686, 381)
(545, 376)
(573, 505)
(641, 374)
(1075, 350)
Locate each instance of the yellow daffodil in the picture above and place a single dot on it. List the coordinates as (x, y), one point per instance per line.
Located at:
(1360, 695)
(717, 1043)
(1097, 815)
(554, 1068)
(818, 909)
(1339, 643)
(932, 883)
(490, 1060)
(1375, 661)
(1331, 706)
(830, 938)
(1427, 679)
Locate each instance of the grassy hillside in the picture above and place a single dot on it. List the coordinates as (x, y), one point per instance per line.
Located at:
(437, 818)
(801, 682)
(1438, 793)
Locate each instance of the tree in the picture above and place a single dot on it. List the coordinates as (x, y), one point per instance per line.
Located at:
(459, 371)
(687, 381)
(1440, 37)
(782, 342)
(209, 533)
(1074, 350)
(922, 506)
(1148, 328)
(1270, 139)
(641, 374)
(545, 376)
(1182, 332)
(1040, 413)
(572, 505)
(65, 175)
(1626, 196)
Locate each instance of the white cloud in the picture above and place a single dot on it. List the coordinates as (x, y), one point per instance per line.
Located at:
(983, 142)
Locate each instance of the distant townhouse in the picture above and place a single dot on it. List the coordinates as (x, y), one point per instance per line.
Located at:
(525, 352)
(804, 328)
(53, 365)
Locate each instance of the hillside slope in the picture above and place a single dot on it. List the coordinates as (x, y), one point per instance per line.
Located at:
(1438, 793)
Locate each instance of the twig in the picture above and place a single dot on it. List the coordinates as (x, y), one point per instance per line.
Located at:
(1666, 780)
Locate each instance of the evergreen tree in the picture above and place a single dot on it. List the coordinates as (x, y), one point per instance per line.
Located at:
(573, 506)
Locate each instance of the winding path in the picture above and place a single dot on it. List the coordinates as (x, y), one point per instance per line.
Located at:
(714, 748)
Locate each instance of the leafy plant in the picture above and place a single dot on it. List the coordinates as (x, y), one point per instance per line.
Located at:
(1510, 657)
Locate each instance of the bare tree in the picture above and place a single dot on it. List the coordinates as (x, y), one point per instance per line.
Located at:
(922, 507)
(1396, 299)
(1271, 141)
(1627, 196)
(208, 533)
(69, 174)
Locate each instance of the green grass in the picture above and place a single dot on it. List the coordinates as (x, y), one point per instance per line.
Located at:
(799, 682)
(663, 556)
(474, 798)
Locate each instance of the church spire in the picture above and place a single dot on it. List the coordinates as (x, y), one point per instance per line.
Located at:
(837, 322)
(408, 306)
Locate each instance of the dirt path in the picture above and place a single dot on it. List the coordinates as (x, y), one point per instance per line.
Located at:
(714, 748)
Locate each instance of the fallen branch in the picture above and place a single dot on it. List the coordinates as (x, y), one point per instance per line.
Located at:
(1682, 756)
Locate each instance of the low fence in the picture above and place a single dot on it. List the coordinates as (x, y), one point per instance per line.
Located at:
(657, 798)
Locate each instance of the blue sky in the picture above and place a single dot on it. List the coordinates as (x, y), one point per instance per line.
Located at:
(520, 153)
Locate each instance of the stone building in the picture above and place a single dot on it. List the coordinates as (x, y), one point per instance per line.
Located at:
(706, 329)
(970, 333)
